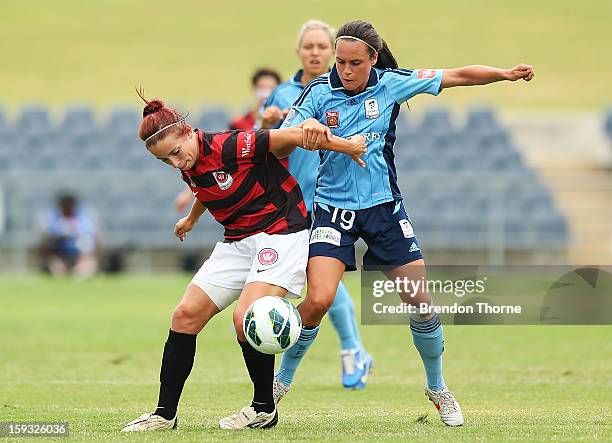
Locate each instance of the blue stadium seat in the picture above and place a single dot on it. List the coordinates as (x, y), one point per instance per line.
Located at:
(37, 142)
(123, 121)
(469, 162)
(404, 125)
(34, 119)
(481, 119)
(608, 123)
(508, 162)
(436, 121)
(78, 118)
(552, 230)
(213, 119)
(536, 204)
(494, 141)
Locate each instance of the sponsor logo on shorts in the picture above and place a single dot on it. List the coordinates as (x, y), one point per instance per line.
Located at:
(414, 247)
(267, 256)
(223, 179)
(407, 228)
(325, 234)
(332, 118)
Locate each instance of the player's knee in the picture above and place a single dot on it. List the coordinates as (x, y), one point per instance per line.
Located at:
(316, 305)
(185, 319)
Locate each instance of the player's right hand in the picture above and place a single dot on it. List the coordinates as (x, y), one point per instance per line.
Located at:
(182, 227)
(522, 71)
(271, 116)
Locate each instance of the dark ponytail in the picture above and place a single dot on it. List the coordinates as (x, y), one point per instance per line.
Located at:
(385, 58)
(363, 30)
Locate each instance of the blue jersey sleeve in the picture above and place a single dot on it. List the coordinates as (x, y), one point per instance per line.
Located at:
(306, 104)
(300, 111)
(403, 84)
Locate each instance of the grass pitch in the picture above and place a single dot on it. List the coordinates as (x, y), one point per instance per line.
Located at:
(89, 354)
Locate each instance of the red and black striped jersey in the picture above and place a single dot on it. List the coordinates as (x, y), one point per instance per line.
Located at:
(244, 186)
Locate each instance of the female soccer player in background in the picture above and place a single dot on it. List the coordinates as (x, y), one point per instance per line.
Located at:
(315, 49)
(363, 93)
(238, 177)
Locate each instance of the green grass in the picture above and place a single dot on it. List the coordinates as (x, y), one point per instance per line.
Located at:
(203, 51)
(89, 353)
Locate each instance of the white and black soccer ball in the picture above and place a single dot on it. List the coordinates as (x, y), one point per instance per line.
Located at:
(272, 324)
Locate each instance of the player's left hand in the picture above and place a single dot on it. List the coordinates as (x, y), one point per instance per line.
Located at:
(359, 148)
(182, 227)
(522, 71)
(314, 134)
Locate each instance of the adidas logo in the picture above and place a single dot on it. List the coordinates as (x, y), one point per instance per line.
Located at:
(414, 247)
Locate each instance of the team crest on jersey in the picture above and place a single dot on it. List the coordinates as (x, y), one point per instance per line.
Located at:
(333, 119)
(223, 179)
(371, 108)
(267, 256)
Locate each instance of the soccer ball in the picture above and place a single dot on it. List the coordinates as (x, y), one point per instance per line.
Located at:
(272, 324)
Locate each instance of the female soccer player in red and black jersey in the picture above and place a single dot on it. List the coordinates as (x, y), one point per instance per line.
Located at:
(238, 177)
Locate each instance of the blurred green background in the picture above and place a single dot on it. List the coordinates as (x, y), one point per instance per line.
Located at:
(193, 51)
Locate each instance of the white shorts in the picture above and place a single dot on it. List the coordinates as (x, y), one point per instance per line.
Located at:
(278, 259)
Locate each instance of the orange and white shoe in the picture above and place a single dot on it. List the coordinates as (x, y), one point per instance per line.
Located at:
(447, 405)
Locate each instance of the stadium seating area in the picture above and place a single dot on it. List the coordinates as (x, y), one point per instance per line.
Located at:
(464, 186)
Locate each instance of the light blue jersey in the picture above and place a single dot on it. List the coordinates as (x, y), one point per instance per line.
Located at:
(303, 164)
(341, 182)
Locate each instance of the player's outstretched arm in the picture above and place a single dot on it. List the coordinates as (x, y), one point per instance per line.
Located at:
(483, 75)
(309, 135)
(186, 224)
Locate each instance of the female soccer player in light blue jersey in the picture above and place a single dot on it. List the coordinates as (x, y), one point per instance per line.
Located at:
(362, 94)
(315, 48)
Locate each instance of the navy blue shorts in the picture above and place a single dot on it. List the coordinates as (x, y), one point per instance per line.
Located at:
(386, 229)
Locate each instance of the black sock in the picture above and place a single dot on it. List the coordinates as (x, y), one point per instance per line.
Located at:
(261, 371)
(177, 362)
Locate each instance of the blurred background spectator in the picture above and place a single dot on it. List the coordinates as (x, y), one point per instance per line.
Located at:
(70, 239)
(263, 82)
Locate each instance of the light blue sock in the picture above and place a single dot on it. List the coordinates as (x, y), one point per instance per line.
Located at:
(429, 340)
(354, 321)
(292, 358)
(342, 315)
